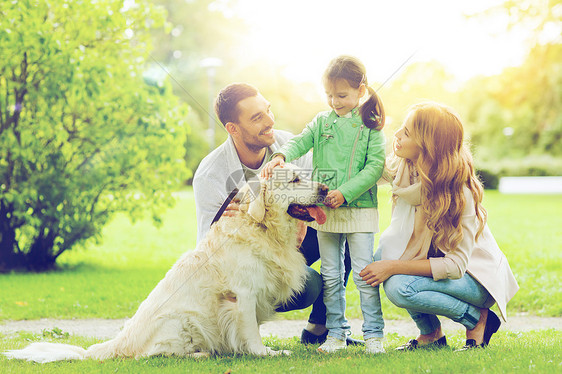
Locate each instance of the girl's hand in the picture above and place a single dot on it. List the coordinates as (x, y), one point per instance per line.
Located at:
(377, 272)
(334, 199)
(267, 170)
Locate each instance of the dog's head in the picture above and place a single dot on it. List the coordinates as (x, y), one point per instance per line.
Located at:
(290, 189)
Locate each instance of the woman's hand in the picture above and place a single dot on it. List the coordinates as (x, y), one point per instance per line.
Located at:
(334, 199)
(377, 272)
(267, 170)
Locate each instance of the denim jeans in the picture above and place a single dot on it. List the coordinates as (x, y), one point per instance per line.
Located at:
(332, 254)
(424, 298)
(309, 249)
(312, 290)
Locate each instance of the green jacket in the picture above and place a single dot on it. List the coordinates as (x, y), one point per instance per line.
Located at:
(347, 155)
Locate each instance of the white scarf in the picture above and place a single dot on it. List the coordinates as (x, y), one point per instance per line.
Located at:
(407, 237)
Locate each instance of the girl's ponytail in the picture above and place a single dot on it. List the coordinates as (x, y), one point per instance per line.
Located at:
(372, 111)
(353, 71)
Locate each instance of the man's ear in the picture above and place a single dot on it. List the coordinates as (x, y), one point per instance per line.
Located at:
(231, 128)
(256, 209)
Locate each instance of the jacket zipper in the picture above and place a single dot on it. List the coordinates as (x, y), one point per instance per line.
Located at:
(353, 151)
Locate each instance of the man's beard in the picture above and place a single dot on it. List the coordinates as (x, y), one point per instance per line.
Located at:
(256, 148)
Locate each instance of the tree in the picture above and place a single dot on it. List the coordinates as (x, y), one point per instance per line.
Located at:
(419, 81)
(197, 30)
(211, 28)
(516, 113)
(540, 17)
(82, 136)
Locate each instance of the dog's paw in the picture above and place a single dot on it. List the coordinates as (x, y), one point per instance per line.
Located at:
(199, 355)
(271, 352)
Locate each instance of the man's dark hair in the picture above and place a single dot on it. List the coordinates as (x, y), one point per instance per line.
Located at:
(226, 103)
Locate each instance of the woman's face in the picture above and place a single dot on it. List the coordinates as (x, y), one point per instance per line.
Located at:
(404, 144)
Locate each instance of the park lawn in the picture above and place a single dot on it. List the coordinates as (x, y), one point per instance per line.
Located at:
(509, 352)
(110, 279)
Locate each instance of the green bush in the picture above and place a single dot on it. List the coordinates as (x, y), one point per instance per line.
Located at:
(489, 180)
(82, 136)
(491, 171)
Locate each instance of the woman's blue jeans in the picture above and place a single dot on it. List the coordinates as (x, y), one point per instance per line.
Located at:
(332, 247)
(424, 298)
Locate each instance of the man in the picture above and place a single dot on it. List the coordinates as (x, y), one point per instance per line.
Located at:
(247, 117)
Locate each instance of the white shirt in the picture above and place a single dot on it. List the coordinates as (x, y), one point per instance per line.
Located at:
(220, 172)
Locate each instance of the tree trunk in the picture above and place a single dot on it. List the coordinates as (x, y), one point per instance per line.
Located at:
(40, 256)
(10, 259)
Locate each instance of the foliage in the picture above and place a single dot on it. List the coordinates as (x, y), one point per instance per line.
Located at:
(82, 136)
(491, 171)
(542, 17)
(523, 99)
(488, 179)
(55, 333)
(539, 165)
(197, 30)
(517, 113)
(419, 81)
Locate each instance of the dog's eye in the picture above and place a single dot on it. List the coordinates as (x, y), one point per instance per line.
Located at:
(296, 179)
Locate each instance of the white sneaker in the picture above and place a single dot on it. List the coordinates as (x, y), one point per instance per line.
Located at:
(332, 345)
(374, 346)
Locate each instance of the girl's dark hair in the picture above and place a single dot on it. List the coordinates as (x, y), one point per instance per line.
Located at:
(354, 72)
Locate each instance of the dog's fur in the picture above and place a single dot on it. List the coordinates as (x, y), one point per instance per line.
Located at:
(214, 298)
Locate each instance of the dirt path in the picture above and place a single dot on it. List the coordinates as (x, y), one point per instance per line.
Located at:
(108, 328)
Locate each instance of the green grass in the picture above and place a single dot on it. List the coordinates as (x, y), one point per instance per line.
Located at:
(528, 229)
(508, 353)
(110, 280)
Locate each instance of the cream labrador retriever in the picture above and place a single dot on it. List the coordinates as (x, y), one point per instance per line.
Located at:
(214, 298)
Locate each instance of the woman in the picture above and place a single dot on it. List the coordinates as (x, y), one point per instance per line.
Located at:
(438, 256)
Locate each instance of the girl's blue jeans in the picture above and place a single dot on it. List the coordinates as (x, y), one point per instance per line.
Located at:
(425, 298)
(332, 247)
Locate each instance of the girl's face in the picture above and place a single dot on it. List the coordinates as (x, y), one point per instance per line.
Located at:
(342, 97)
(404, 144)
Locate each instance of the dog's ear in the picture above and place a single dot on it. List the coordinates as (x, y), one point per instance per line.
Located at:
(256, 209)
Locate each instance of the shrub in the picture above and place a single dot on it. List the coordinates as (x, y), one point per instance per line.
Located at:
(81, 135)
(537, 165)
(488, 179)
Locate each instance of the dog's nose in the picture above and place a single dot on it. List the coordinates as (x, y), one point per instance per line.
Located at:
(323, 189)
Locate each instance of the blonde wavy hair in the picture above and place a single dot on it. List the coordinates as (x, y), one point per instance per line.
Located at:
(444, 166)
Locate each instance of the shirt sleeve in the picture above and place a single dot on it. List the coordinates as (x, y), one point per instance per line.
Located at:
(300, 144)
(208, 201)
(455, 262)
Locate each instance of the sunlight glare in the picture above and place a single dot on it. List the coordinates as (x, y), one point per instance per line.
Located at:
(302, 36)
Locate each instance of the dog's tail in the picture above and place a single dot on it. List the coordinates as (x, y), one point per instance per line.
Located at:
(47, 352)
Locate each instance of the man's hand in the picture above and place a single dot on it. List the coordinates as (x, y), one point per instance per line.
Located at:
(267, 170)
(232, 209)
(301, 233)
(334, 199)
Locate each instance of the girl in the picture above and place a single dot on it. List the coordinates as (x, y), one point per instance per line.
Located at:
(349, 154)
(438, 255)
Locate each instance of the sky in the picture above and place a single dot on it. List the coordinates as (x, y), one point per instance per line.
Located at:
(304, 35)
